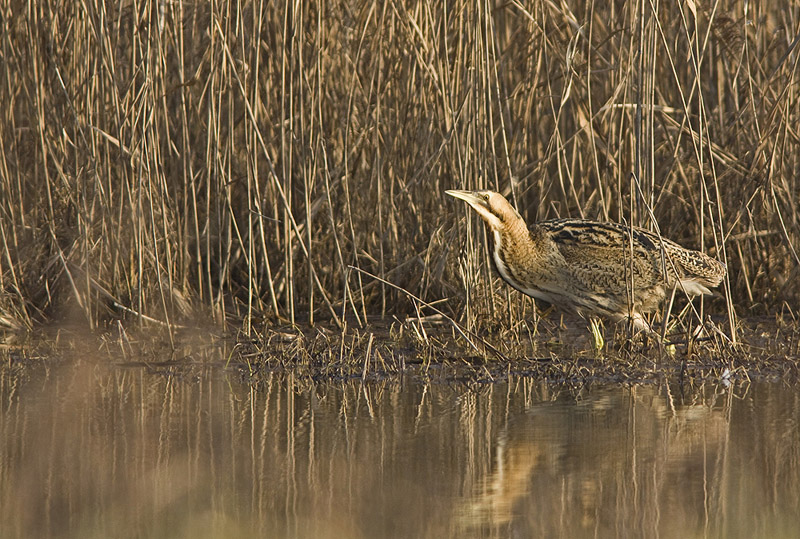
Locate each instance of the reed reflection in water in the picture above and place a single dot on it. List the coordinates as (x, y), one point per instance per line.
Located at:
(94, 450)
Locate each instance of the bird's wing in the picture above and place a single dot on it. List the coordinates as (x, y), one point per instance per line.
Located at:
(602, 257)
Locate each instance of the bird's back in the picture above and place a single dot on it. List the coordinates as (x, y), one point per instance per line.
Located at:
(606, 264)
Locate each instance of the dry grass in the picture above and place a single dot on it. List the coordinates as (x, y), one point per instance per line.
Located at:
(769, 351)
(164, 159)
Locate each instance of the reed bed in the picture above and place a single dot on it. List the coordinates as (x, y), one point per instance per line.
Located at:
(256, 161)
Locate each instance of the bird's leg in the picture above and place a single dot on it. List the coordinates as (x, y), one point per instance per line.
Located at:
(640, 324)
(667, 312)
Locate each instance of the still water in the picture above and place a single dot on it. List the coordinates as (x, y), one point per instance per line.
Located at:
(91, 449)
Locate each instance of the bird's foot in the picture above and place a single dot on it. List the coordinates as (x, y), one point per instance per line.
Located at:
(596, 327)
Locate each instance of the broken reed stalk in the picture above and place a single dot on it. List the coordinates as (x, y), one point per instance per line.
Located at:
(466, 334)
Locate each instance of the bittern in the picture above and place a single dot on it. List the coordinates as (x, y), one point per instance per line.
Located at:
(594, 269)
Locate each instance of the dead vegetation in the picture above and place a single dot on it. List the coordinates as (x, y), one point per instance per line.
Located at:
(260, 164)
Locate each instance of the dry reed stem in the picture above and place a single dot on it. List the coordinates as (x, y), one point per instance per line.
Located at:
(237, 159)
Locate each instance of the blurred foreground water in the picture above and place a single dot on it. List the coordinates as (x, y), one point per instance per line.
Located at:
(91, 449)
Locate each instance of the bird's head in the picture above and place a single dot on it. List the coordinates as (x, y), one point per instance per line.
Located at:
(491, 206)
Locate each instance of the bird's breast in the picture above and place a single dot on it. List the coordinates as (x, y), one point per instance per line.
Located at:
(518, 261)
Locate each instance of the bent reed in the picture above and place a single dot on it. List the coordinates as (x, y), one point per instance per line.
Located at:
(260, 161)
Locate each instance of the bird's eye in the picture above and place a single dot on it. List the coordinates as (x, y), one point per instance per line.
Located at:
(485, 197)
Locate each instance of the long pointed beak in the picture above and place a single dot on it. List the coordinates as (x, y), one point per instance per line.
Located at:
(467, 196)
(479, 202)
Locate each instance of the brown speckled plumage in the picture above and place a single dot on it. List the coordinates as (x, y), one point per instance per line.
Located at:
(590, 267)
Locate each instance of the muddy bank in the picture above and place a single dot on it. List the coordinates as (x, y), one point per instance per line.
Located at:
(431, 351)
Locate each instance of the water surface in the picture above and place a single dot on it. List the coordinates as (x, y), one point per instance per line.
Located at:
(92, 449)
